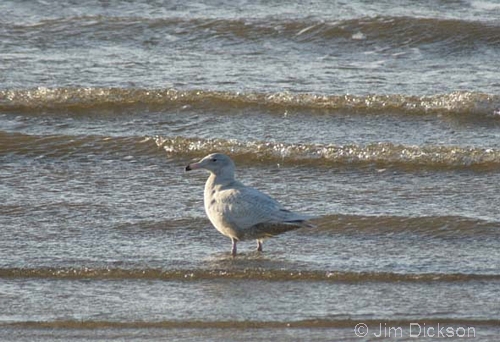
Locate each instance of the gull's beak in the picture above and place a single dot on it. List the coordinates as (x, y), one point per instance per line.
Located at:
(193, 166)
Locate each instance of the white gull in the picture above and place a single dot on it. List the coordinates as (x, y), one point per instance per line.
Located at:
(241, 212)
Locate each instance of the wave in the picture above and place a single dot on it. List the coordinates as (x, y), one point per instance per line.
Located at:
(430, 226)
(380, 155)
(377, 154)
(452, 35)
(65, 147)
(339, 323)
(234, 274)
(405, 31)
(79, 101)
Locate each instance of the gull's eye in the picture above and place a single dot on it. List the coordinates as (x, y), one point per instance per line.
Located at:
(214, 159)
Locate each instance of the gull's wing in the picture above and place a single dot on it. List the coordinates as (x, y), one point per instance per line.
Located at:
(245, 207)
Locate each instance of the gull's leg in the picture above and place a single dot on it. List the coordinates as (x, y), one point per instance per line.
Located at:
(259, 245)
(233, 250)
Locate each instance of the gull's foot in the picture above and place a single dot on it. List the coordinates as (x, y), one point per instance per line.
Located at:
(233, 249)
(259, 245)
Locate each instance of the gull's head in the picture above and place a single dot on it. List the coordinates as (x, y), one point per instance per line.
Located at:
(217, 163)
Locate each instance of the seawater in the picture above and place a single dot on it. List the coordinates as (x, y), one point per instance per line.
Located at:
(381, 119)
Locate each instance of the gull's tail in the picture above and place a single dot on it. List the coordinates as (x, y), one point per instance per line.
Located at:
(300, 220)
(273, 228)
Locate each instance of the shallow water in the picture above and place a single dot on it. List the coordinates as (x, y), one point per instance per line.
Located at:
(382, 119)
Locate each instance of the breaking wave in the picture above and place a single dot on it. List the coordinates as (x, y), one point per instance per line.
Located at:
(377, 154)
(235, 274)
(381, 154)
(39, 101)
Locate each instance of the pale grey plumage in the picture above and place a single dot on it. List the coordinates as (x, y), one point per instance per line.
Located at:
(241, 212)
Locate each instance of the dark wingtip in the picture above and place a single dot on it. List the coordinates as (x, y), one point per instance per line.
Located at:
(188, 168)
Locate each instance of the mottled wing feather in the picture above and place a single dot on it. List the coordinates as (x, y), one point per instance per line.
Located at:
(245, 207)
